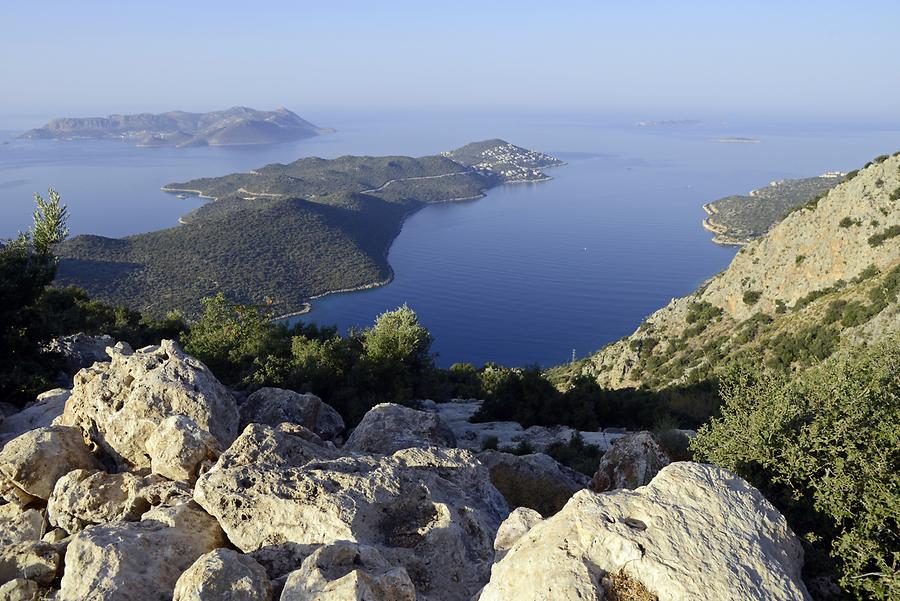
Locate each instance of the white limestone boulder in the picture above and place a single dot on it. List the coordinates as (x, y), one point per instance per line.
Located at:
(136, 561)
(34, 560)
(20, 589)
(387, 428)
(272, 406)
(19, 525)
(178, 447)
(695, 532)
(84, 498)
(39, 414)
(630, 462)
(514, 527)
(33, 462)
(348, 571)
(279, 494)
(120, 404)
(223, 574)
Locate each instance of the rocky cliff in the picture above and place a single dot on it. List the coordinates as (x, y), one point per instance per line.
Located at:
(824, 278)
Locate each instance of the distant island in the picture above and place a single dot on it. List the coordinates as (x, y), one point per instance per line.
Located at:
(735, 220)
(237, 125)
(283, 234)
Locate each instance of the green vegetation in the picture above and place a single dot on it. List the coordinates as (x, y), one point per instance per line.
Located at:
(751, 297)
(823, 447)
(278, 235)
(895, 195)
(849, 222)
(879, 238)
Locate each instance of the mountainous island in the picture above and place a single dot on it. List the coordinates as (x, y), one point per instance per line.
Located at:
(283, 234)
(237, 125)
(737, 219)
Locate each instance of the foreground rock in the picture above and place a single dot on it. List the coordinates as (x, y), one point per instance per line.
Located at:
(387, 428)
(343, 571)
(40, 414)
(120, 404)
(135, 561)
(630, 462)
(84, 498)
(279, 494)
(36, 560)
(223, 574)
(33, 462)
(695, 532)
(81, 350)
(536, 481)
(20, 589)
(514, 527)
(178, 447)
(19, 526)
(272, 406)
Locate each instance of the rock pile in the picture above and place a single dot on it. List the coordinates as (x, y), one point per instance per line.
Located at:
(152, 482)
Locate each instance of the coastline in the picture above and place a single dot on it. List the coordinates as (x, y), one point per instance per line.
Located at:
(722, 236)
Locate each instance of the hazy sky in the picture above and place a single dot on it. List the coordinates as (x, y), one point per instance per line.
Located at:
(663, 59)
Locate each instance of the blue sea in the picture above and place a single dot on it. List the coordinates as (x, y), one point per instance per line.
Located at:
(530, 274)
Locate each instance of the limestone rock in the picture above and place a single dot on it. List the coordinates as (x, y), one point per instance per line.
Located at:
(695, 532)
(35, 560)
(40, 414)
(280, 494)
(20, 589)
(514, 527)
(83, 498)
(223, 574)
(631, 461)
(81, 350)
(178, 446)
(272, 406)
(345, 570)
(387, 427)
(34, 461)
(120, 404)
(536, 481)
(20, 525)
(127, 561)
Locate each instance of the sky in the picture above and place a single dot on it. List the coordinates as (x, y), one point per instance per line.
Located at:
(686, 59)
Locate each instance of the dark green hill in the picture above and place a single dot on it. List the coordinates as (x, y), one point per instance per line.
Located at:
(280, 234)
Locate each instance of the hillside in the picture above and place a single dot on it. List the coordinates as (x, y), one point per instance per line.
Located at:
(735, 220)
(282, 234)
(824, 279)
(237, 125)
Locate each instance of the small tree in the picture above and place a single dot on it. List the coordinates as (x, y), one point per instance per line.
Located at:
(397, 336)
(50, 223)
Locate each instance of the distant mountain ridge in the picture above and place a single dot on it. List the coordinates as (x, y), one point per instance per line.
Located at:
(237, 125)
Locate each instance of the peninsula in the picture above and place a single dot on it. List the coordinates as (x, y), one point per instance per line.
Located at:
(234, 126)
(285, 233)
(737, 219)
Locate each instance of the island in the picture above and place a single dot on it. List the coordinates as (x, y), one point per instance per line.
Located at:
(284, 234)
(737, 219)
(237, 125)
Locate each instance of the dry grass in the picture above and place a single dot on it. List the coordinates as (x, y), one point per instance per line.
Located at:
(622, 587)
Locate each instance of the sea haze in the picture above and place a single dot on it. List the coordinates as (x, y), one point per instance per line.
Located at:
(527, 274)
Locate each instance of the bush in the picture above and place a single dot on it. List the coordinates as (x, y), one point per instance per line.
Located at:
(849, 222)
(824, 449)
(879, 238)
(751, 297)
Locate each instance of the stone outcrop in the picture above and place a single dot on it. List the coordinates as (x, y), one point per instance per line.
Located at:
(33, 462)
(514, 527)
(81, 350)
(345, 570)
(695, 532)
(20, 525)
(280, 494)
(20, 589)
(34, 560)
(126, 561)
(120, 404)
(40, 414)
(84, 498)
(386, 428)
(223, 574)
(272, 406)
(536, 481)
(178, 447)
(630, 462)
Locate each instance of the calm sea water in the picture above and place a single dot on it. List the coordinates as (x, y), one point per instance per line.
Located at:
(527, 274)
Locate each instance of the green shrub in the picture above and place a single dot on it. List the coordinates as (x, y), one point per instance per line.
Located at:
(799, 259)
(851, 174)
(751, 297)
(849, 222)
(878, 239)
(823, 447)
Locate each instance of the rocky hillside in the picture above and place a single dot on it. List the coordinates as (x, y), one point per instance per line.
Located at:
(237, 125)
(149, 479)
(825, 278)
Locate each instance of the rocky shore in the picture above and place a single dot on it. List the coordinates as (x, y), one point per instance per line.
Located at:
(149, 479)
